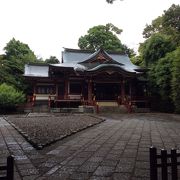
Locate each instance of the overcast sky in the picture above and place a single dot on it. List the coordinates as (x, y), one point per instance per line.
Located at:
(48, 25)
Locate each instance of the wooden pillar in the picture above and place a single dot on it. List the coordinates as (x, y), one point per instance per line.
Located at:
(66, 88)
(56, 84)
(130, 89)
(34, 89)
(90, 91)
(122, 90)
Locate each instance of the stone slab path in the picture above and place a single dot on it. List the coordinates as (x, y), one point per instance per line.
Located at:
(115, 149)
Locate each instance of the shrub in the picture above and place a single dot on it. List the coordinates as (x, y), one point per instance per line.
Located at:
(10, 97)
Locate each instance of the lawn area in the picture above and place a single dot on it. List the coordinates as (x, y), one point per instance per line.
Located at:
(42, 130)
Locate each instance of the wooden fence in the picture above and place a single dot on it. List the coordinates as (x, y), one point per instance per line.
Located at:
(9, 168)
(162, 161)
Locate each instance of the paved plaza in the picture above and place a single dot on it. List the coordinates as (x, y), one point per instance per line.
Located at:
(116, 149)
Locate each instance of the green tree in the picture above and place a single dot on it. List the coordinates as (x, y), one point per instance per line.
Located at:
(160, 53)
(137, 60)
(171, 17)
(17, 54)
(10, 97)
(130, 52)
(15, 48)
(160, 76)
(168, 24)
(155, 48)
(163, 75)
(171, 23)
(154, 27)
(175, 82)
(102, 37)
(52, 60)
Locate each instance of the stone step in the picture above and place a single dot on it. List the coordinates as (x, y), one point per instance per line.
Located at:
(141, 110)
(107, 103)
(113, 109)
(40, 108)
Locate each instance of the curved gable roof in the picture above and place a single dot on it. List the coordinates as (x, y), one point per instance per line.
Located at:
(100, 56)
(89, 59)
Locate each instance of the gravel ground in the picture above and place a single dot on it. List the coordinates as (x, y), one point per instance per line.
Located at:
(43, 130)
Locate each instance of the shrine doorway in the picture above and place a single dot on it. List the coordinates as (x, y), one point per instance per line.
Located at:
(107, 91)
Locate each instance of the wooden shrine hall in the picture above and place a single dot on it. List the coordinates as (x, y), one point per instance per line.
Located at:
(87, 78)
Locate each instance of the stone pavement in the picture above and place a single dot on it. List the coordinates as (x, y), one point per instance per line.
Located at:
(115, 149)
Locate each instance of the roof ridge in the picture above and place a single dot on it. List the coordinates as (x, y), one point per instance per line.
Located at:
(92, 51)
(78, 50)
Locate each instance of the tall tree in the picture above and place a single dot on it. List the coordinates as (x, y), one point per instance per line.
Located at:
(154, 27)
(17, 54)
(171, 23)
(52, 60)
(160, 52)
(155, 48)
(102, 37)
(175, 82)
(168, 24)
(18, 50)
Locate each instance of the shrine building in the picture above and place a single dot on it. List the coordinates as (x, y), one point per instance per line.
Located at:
(87, 78)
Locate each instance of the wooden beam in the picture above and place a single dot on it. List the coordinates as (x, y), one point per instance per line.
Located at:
(89, 91)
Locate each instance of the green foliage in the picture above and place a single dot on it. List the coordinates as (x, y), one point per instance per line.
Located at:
(155, 48)
(10, 97)
(155, 27)
(137, 60)
(163, 75)
(176, 79)
(102, 37)
(159, 77)
(130, 52)
(171, 22)
(160, 53)
(171, 18)
(164, 81)
(167, 24)
(18, 50)
(52, 60)
(17, 54)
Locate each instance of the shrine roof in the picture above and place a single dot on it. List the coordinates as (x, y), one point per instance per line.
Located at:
(36, 70)
(74, 57)
(85, 61)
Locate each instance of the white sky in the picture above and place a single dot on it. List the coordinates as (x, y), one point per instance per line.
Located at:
(48, 25)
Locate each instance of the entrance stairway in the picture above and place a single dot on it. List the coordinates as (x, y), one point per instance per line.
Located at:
(111, 107)
(41, 106)
(38, 106)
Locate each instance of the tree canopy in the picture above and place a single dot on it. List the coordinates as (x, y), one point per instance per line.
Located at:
(160, 53)
(16, 49)
(168, 24)
(105, 37)
(156, 47)
(101, 37)
(17, 54)
(52, 60)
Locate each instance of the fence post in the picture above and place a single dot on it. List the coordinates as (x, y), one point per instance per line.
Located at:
(164, 164)
(174, 164)
(153, 163)
(10, 168)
